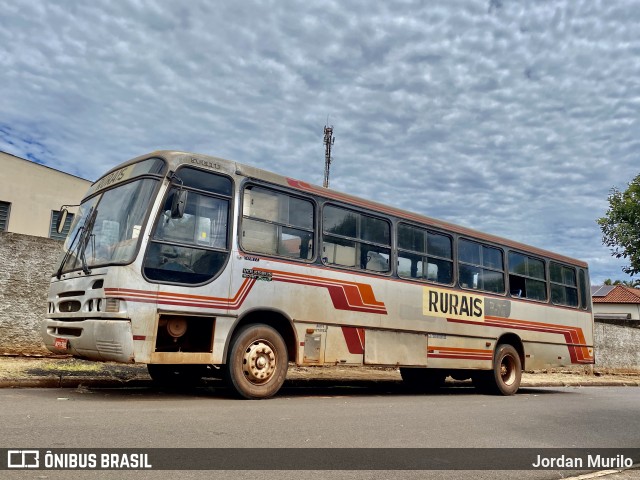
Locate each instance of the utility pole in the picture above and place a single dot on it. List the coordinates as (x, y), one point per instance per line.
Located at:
(328, 142)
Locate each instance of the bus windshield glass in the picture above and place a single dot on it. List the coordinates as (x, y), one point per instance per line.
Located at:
(112, 236)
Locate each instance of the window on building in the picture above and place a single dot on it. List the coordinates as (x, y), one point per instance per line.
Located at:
(5, 207)
(527, 277)
(564, 290)
(425, 255)
(480, 267)
(276, 223)
(53, 233)
(353, 239)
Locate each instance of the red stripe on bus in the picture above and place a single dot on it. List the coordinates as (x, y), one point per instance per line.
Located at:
(344, 295)
(573, 336)
(462, 357)
(457, 353)
(355, 339)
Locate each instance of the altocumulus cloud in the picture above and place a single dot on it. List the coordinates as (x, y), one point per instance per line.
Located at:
(514, 118)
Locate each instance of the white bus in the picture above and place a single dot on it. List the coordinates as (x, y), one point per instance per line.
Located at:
(199, 266)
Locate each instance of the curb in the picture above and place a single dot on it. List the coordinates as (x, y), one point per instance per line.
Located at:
(603, 383)
(73, 382)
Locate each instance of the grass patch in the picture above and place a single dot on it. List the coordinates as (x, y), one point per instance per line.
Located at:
(72, 367)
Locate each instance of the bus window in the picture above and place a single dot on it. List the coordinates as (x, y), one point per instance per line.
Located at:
(424, 255)
(352, 239)
(191, 249)
(527, 277)
(584, 298)
(564, 289)
(480, 267)
(276, 223)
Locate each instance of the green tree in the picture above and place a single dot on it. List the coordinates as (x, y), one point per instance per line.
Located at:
(627, 283)
(621, 225)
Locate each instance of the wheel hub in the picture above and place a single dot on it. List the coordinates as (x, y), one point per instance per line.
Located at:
(508, 370)
(259, 362)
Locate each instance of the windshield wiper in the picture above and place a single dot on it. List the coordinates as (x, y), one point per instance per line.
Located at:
(82, 235)
(84, 239)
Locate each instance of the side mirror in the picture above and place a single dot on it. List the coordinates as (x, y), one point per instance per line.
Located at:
(62, 218)
(179, 203)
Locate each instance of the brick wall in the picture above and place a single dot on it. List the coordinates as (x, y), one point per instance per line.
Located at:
(26, 265)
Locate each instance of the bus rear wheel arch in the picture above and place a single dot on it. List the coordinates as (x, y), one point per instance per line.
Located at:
(257, 362)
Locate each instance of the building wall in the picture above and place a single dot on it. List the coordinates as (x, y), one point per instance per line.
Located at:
(617, 308)
(34, 191)
(26, 265)
(617, 346)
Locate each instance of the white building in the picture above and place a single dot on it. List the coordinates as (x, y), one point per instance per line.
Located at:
(615, 302)
(31, 196)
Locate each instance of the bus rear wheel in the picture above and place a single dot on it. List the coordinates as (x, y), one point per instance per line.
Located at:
(257, 363)
(505, 377)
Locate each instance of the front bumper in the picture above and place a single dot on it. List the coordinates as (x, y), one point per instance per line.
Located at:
(93, 339)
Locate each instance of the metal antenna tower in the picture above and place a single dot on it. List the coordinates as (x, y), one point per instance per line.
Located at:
(328, 142)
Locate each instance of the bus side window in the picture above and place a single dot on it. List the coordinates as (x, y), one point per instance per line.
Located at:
(276, 223)
(432, 272)
(564, 289)
(424, 254)
(377, 262)
(527, 277)
(356, 240)
(480, 266)
(344, 255)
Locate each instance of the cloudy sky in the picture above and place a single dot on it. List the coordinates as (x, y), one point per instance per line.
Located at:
(511, 117)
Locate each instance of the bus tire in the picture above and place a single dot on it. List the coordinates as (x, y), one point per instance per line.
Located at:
(505, 377)
(257, 362)
(422, 379)
(177, 375)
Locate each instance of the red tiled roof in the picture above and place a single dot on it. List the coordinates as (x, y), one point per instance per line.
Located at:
(620, 294)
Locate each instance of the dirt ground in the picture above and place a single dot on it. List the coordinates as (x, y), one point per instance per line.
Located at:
(18, 367)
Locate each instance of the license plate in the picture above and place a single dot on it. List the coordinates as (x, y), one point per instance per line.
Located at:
(61, 343)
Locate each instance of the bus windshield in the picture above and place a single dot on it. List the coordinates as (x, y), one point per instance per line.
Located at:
(112, 236)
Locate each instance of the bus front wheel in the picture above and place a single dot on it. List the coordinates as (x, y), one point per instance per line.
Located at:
(505, 377)
(257, 363)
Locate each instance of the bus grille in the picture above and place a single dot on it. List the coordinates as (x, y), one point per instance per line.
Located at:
(109, 346)
(69, 306)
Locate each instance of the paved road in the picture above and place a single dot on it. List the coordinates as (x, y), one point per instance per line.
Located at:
(318, 417)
